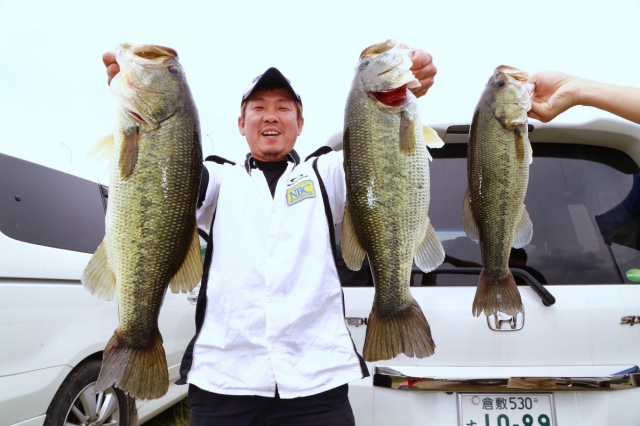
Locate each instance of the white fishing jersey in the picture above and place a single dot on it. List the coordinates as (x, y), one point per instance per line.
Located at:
(274, 313)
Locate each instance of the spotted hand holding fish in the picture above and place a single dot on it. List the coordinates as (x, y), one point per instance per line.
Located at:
(151, 240)
(386, 217)
(499, 154)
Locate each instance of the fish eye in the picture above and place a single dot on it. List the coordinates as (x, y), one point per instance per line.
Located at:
(500, 83)
(365, 63)
(173, 70)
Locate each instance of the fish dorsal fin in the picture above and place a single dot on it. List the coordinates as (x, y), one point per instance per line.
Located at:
(431, 137)
(190, 272)
(524, 230)
(103, 148)
(469, 223)
(352, 251)
(430, 253)
(98, 277)
(407, 134)
(128, 152)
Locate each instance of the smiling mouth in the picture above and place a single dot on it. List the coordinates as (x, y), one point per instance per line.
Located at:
(270, 133)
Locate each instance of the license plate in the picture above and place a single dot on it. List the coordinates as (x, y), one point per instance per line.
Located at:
(506, 409)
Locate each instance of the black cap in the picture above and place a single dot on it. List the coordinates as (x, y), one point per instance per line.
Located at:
(269, 79)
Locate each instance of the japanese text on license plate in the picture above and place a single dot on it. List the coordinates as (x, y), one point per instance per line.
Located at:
(506, 409)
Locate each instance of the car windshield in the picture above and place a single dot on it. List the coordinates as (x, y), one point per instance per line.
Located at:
(584, 202)
(584, 205)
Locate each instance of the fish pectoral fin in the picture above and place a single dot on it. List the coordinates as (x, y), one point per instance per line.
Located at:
(469, 223)
(431, 137)
(103, 148)
(128, 152)
(430, 253)
(352, 251)
(407, 134)
(190, 273)
(524, 230)
(98, 277)
(523, 146)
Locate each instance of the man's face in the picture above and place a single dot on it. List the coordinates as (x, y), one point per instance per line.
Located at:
(270, 124)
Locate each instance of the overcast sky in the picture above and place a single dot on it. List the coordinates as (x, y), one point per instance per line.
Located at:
(55, 103)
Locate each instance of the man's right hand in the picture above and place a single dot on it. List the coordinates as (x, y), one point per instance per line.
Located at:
(109, 59)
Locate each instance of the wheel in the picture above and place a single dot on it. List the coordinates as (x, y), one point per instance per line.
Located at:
(75, 403)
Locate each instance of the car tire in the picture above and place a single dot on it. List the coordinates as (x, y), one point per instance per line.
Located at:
(75, 403)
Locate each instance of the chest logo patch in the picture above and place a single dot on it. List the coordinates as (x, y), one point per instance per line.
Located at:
(300, 191)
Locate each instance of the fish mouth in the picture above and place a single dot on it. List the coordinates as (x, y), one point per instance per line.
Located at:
(148, 53)
(394, 98)
(378, 48)
(135, 115)
(519, 76)
(514, 73)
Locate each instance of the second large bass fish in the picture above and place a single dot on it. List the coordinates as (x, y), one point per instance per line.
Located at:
(386, 217)
(499, 154)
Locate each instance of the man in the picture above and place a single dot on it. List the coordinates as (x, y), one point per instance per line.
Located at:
(271, 345)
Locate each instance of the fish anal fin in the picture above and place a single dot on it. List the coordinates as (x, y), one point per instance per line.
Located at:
(352, 251)
(128, 152)
(469, 223)
(140, 371)
(407, 134)
(190, 273)
(98, 277)
(496, 294)
(407, 332)
(524, 230)
(430, 253)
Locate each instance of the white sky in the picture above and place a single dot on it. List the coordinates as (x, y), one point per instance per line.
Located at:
(55, 103)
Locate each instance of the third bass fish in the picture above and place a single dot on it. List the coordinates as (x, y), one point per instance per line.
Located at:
(499, 154)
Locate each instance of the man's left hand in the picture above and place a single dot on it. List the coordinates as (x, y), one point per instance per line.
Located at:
(424, 70)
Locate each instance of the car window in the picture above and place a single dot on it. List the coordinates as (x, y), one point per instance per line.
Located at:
(584, 202)
(43, 206)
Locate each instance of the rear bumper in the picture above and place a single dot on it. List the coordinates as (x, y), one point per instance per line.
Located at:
(547, 379)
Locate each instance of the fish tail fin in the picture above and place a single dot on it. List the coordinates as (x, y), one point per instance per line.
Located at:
(141, 372)
(189, 274)
(430, 253)
(496, 294)
(389, 335)
(98, 277)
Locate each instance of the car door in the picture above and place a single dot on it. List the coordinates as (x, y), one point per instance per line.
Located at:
(579, 284)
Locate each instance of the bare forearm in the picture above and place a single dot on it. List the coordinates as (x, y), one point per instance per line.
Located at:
(623, 101)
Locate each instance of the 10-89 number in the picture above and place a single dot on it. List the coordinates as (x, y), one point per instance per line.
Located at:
(527, 420)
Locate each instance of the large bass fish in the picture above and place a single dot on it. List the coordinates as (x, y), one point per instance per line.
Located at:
(387, 169)
(151, 240)
(499, 154)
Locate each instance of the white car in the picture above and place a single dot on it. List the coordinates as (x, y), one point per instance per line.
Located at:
(52, 331)
(571, 358)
